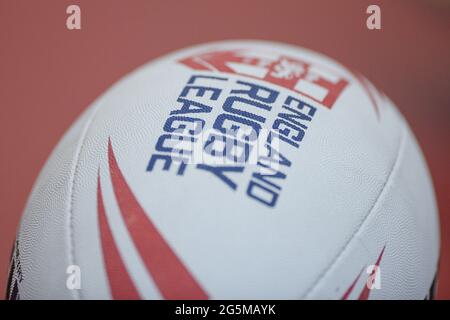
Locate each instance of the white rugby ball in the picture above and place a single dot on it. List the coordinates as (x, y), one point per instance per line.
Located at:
(236, 169)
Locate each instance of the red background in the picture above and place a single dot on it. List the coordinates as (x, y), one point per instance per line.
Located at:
(49, 74)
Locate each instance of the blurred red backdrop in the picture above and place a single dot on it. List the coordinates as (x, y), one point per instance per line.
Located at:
(50, 74)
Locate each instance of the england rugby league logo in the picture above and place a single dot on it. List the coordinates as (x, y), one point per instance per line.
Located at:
(171, 276)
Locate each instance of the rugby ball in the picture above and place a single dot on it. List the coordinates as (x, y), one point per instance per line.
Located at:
(232, 170)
